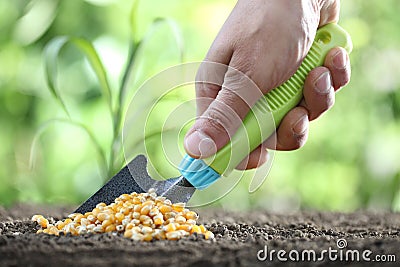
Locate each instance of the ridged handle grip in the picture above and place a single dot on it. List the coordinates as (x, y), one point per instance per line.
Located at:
(257, 125)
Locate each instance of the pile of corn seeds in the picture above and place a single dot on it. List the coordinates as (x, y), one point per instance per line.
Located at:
(141, 217)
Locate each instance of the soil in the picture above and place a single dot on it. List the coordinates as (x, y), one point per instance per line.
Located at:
(239, 237)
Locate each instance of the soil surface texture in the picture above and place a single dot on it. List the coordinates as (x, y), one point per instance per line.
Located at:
(242, 239)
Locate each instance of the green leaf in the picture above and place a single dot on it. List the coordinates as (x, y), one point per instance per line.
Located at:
(102, 160)
(129, 73)
(176, 32)
(51, 55)
(132, 20)
(52, 51)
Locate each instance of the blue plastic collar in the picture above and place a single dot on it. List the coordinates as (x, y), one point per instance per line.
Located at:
(197, 172)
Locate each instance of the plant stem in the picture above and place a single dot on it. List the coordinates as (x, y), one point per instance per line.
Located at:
(117, 115)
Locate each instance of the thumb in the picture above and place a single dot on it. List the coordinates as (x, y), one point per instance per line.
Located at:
(215, 127)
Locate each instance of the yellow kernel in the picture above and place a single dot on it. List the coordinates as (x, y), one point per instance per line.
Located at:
(183, 232)
(102, 216)
(110, 228)
(136, 229)
(170, 227)
(191, 221)
(169, 215)
(180, 219)
(91, 218)
(160, 199)
(78, 218)
(174, 235)
(165, 208)
(115, 209)
(125, 196)
(154, 211)
(101, 205)
(84, 221)
(148, 222)
(145, 209)
(129, 226)
(136, 201)
(124, 211)
(203, 228)
(39, 231)
(143, 218)
(191, 215)
(46, 231)
(185, 210)
(128, 233)
(36, 217)
(137, 237)
(112, 217)
(129, 216)
(148, 202)
(137, 208)
(170, 220)
(43, 222)
(95, 211)
(60, 225)
(185, 227)
(72, 215)
(136, 215)
(146, 230)
(159, 234)
(178, 206)
(119, 216)
(106, 223)
(195, 229)
(158, 220)
(209, 235)
(53, 230)
(98, 229)
(148, 237)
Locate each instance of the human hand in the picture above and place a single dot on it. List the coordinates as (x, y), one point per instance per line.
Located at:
(267, 41)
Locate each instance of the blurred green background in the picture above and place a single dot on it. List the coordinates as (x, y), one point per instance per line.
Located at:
(351, 160)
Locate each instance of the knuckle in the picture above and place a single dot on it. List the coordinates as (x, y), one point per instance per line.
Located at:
(224, 119)
(206, 89)
(211, 72)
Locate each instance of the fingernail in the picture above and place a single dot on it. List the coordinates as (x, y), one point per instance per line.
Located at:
(340, 60)
(301, 125)
(323, 84)
(200, 145)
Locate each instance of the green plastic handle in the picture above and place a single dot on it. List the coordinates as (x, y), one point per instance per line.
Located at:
(258, 125)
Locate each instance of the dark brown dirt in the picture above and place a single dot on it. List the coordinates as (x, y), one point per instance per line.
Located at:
(239, 237)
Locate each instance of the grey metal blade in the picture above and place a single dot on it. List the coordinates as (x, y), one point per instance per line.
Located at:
(125, 182)
(176, 189)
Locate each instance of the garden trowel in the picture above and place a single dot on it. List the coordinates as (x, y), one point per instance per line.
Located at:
(256, 127)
